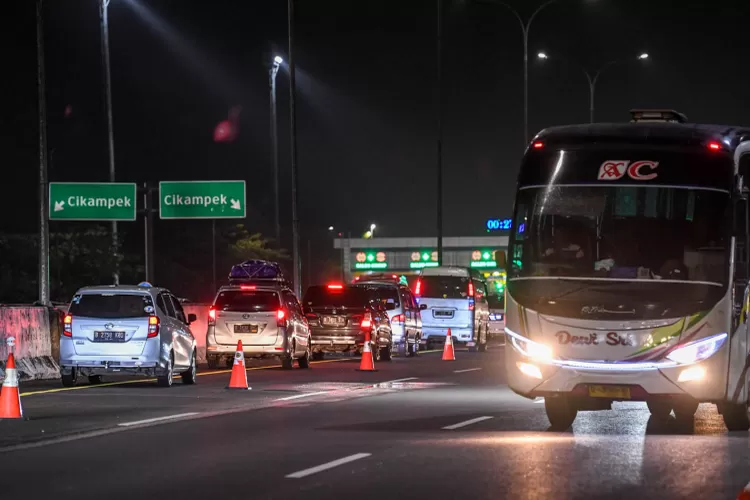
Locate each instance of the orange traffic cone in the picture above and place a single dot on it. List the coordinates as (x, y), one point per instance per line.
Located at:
(745, 493)
(239, 373)
(10, 397)
(448, 354)
(368, 362)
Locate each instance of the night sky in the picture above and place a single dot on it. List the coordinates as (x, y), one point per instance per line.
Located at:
(366, 116)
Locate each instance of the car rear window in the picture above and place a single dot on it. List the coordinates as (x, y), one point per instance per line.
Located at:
(444, 287)
(250, 301)
(346, 297)
(111, 305)
(382, 293)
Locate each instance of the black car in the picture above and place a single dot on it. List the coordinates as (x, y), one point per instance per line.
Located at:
(340, 315)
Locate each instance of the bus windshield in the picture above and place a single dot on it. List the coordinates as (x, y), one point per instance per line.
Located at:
(621, 232)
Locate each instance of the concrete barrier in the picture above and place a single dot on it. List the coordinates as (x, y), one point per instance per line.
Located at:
(37, 332)
(199, 327)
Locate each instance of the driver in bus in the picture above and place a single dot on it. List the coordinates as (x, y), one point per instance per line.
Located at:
(564, 248)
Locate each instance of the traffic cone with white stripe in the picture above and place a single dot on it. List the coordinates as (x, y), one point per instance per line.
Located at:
(239, 373)
(10, 397)
(367, 364)
(448, 353)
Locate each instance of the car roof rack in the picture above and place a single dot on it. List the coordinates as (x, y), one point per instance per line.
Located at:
(257, 272)
(657, 115)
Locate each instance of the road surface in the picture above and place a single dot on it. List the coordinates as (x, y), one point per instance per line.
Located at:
(416, 428)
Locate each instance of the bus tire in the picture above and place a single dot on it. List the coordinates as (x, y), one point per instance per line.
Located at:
(560, 412)
(735, 417)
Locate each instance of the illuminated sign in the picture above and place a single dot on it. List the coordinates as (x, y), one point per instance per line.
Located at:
(424, 258)
(371, 260)
(483, 259)
(498, 225)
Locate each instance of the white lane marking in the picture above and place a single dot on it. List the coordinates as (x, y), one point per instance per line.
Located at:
(398, 380)
(540, 400)
(157, 419)
(465, 423)
(467, 370)
(327, 465)
(305, 395)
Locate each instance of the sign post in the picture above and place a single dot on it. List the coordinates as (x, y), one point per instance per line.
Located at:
(202, 200)
(92, 201)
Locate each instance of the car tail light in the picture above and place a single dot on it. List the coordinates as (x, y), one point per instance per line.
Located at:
(247, 287)
(418, 288)
(714, 146)
(153, 326)
(471, 304)
(398, 319)
(281, 318)
(212, 316)
(538, 145)
(335, 287)
(68, 325)
(366, 323)
(471, 289)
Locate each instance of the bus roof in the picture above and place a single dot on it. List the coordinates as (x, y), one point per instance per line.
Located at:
(675, 134)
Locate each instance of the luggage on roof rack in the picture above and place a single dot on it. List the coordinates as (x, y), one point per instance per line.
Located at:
(257, 271)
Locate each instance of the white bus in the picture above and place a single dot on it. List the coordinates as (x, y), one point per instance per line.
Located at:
(628, 269)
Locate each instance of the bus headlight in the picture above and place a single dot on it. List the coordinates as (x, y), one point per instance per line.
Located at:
(529, 348)
(698, 350)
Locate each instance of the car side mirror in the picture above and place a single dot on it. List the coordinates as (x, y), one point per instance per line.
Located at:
(192, 318)
(422, 307)
(390, 306)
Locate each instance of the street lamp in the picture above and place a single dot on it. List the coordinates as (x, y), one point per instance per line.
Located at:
(275, 146)
(330, 228)
(372, 230)
(594, 77)
(104, 26)
(525, 29)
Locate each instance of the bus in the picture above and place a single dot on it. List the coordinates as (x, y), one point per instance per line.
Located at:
(628, 269)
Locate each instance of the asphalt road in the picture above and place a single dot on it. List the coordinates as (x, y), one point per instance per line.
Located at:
(416, 428)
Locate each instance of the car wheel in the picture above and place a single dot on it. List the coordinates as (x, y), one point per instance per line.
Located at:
(318, 356)
(167, 379)
(304, 361)
(386, 353)
(482, 341)
(735, 417)
(659, 408)
(213, 362)
(69, 379)
(95, 379)
(560, 412)
(684, 412)
(411, 349)
(375, 352)
(190, 377)
(287, 360)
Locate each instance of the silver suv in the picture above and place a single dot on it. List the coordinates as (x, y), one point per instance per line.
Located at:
(127, 330)
(266, 317)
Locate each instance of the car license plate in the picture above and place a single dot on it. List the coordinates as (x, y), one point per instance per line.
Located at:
(334, 320)
(109, 336)
(609, 391)
(245, 328)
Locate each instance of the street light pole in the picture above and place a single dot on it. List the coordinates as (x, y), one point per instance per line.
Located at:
(439, 106)
(293, 132)
(525, 25)
(44, 292)
(275, 146)
(104, 24)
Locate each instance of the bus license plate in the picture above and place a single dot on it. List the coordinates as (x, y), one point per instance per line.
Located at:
(609, 391)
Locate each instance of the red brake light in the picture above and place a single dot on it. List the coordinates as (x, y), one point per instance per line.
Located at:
(68, 325)
(335, 287)
(366, 322)
(471, 289)
(418, 288)
(153, 326)
(247, 287)
(281, 318)
(714, 146)
(398, 319)
(312, 318)
(538, 145)
(212, 316)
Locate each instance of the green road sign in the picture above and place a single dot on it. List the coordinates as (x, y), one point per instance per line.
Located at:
(91, 201)
(202, 200)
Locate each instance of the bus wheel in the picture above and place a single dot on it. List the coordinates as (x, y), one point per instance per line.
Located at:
(735, 417)
(560, 413)
(684, 412)
(659, 408)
